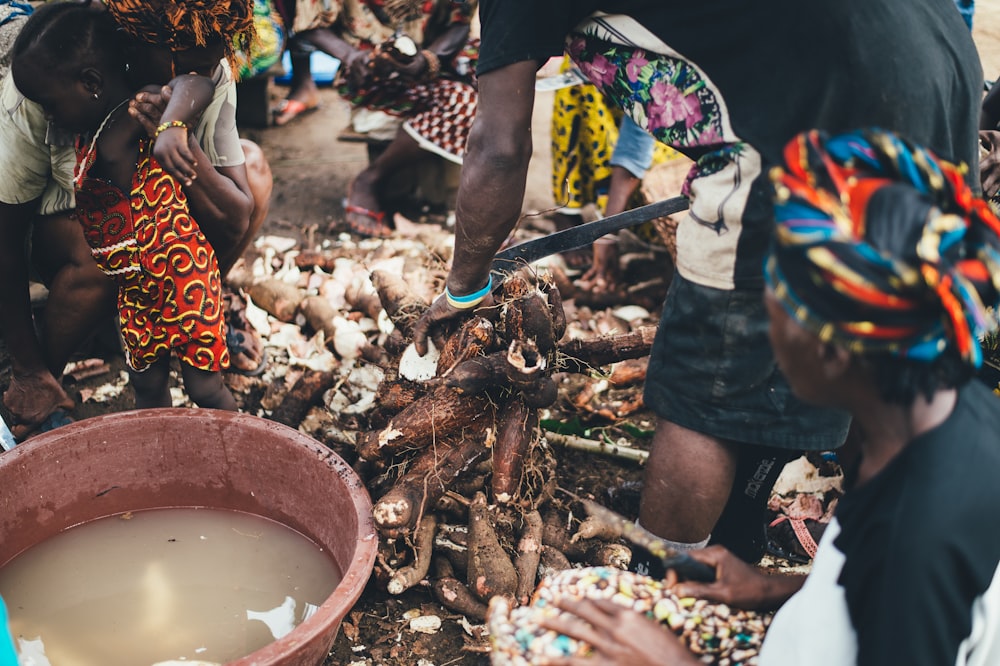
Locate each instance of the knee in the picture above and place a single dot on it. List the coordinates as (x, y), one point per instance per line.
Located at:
(259, 175)
(88, 276)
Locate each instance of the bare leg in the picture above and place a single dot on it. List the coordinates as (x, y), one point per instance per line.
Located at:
(364, 190)
(207, 389)
(152, 385)
(303, 93)
(80, 295)
(248, 354)
(687, 482)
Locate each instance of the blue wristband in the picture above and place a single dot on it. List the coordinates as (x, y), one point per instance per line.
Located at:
(471, 300)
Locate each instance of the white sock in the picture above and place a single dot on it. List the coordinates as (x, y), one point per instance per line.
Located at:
(677, 545)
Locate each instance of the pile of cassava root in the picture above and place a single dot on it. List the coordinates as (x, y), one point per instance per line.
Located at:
(463, 484)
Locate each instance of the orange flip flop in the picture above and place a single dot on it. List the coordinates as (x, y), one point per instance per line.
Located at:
(376, 227)
(288, 110)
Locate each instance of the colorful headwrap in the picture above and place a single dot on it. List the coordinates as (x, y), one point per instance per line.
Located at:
(882, 247)
(185, 24)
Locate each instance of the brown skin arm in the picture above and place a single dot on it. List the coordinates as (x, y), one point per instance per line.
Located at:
(190, 96)
(444, 47)
(33, 392)
(492, 186)
(355, 60)
(738, 584)
(221, 202)
(604, 275)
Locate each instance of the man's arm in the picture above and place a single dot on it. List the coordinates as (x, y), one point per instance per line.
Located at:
(494, 172)
(491, 190)
(221, 202)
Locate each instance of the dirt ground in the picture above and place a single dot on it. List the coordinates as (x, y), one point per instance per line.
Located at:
(312, 169)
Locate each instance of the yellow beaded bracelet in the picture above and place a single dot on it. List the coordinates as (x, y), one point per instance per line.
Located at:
(167, 125)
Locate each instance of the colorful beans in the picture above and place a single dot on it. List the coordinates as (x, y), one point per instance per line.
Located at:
(716, 633)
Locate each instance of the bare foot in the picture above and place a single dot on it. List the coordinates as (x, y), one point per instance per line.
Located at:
(301, 100)
(604, 276)
(362, 210)
(247, 355)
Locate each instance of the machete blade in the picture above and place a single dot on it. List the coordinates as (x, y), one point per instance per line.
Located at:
(581, 235)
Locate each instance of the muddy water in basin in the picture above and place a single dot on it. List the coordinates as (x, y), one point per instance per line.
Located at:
(165, 584)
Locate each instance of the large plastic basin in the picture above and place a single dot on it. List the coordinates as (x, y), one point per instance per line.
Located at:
(160, 458)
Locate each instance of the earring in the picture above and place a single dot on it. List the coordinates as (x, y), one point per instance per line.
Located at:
(96, 95)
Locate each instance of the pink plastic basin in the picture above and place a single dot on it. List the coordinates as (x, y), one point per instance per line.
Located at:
(160, 458)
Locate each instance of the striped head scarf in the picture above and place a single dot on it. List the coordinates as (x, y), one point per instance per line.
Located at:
(881, 247)
(185, 24)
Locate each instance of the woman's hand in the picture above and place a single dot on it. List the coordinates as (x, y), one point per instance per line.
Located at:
(619, 636)
(604, 274)
(358, 67)
(147, 107)
(738, 584)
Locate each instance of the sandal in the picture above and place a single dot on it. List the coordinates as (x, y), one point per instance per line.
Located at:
(795, 538)
(375, 228)
(246, 349)
(288, 110)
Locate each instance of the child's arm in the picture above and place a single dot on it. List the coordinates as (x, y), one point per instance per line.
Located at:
(187, 98)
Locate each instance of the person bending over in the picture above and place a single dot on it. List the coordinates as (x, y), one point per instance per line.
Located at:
(229, 196)
(693, 76)
(134, 213)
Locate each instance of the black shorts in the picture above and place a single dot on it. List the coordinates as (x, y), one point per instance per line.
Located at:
(711, 370)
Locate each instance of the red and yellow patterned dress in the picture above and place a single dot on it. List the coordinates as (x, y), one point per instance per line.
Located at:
(169, 285)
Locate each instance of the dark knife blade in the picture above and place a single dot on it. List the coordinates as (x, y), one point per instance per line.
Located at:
(516, 256)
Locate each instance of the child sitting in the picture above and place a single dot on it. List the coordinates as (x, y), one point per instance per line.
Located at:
(134, 213)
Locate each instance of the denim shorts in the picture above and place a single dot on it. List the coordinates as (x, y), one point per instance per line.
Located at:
(634, 150)
(711, 370)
